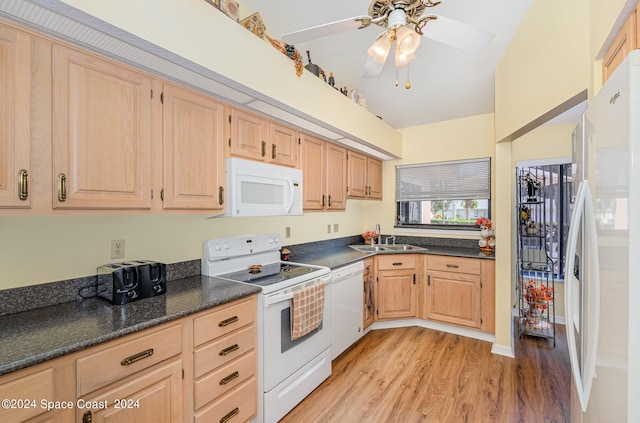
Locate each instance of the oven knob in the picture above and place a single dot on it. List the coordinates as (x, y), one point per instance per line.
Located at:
(218, 247)
(225, 245)
(276, 240)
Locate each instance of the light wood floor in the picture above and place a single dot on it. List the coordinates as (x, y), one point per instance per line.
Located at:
(420, 375)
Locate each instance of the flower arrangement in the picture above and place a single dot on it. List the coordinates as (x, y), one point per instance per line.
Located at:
(538, 296)
(484, 223)
(370, 235)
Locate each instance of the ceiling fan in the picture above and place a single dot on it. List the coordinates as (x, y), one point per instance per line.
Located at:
(406, 23)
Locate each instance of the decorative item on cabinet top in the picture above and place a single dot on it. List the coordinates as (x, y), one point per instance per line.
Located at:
(487, 241)
(231, 9)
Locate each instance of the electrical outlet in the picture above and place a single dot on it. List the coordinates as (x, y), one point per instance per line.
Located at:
(287, 232)
(329, 228)
(117, 248)
(335, 227)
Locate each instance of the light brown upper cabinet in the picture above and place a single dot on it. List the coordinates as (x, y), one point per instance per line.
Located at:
(626, 40)
(193, 159)
(256, 138)
(101, 133)
(15, 137)
(364, 176)
(324, 167)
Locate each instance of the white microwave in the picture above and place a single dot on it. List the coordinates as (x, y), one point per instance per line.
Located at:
(260, 189)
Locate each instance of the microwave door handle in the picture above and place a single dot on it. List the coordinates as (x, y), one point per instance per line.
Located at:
(290, 181)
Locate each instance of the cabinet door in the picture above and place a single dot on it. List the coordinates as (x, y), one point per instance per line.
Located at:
(336, 177)
(193, 168)
(152, 396)
(101, 134)
(454, 298)
(357, 171)
(396, 294)
(285, 146)
(15, 137)
(368, 293)
(624, 42)
(248, 136)
(374, 178)
(313, 165)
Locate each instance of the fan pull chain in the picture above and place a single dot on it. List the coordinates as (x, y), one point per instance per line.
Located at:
(396, 76)
(408, 84)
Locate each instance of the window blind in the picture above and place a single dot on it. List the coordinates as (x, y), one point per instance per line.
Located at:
(452, 180)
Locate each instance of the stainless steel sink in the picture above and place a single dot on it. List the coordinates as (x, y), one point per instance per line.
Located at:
(398, 247)
(368, 248)
(404, 247)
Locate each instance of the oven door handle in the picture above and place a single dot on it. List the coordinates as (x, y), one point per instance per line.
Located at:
(268, 301)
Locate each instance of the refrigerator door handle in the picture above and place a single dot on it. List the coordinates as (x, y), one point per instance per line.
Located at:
(586, 325)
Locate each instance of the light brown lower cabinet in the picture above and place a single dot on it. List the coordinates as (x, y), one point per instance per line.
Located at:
(461, 291)
(161, 374)
(396, 290)
(452, 290)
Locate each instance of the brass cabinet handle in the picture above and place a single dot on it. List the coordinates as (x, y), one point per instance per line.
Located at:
(429, 280)
(229, 350)
(273, 151)
(23, 182)
(87, 417)
(329, 200)
(137, 357)
(322, 200)
(453, 266)
(227, 322)
(414, 278)
(221, 195)
(264, 149)
(398, 263)
(229, 378)
(62, 187)
(230, 415)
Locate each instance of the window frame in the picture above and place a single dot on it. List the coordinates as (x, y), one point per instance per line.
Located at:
(441, 227)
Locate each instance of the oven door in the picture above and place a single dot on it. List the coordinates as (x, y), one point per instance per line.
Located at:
(282, 356)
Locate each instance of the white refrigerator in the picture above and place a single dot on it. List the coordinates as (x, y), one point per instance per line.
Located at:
(602, 274)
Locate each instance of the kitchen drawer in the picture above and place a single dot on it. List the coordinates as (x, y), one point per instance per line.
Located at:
(396, 261)
(454, 264)
(113, 363)
(223, 350)
(27, 391)
(223, 321)
(224, 378)
(238, 405)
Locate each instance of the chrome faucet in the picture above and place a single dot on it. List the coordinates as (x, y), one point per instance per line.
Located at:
(378, 232)
(393, 238)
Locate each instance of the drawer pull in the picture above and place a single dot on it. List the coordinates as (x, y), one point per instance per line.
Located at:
(398, 263)
(227, 322)
(229, 350)
(230, 415)
(229, 378)
(137, 357)
(453, 266)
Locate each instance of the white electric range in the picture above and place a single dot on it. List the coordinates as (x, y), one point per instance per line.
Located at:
(288, 370)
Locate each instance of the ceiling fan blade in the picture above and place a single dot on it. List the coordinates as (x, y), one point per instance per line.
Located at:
(456, 34)
(325, 30)
(372, 68)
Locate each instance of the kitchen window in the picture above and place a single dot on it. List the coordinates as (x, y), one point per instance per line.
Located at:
(443, 195)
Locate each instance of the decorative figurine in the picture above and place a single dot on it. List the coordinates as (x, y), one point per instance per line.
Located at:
(344, 91)
(332, 80)
(314, 69)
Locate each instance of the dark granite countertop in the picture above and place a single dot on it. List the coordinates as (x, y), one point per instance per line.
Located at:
(34, 336)
(337, 256)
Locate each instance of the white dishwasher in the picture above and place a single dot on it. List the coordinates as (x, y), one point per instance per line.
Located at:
(347, 301)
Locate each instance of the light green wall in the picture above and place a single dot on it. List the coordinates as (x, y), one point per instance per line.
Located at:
(43, 249)
(546, 64)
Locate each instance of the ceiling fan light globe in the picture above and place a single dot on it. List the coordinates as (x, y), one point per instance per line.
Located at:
(379, 50)
(403, 59)
(407, 40)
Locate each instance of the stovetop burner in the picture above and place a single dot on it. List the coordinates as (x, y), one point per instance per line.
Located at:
(269, 274)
